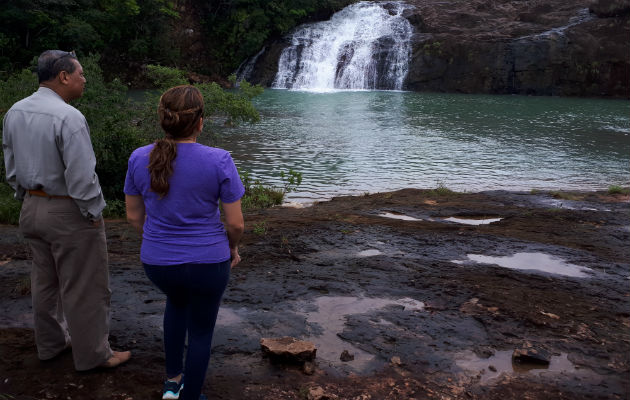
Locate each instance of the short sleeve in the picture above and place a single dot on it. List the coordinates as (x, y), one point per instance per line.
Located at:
(130, 184)
(231, 187)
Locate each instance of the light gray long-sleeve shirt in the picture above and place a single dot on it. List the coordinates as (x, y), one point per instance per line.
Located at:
(47, 146)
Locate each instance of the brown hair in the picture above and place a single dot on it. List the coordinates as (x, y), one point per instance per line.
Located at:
(179, 111)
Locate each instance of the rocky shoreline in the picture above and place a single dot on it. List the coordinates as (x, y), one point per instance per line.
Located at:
(425, 294)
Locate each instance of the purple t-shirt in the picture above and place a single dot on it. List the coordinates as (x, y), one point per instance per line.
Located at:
(185, 225)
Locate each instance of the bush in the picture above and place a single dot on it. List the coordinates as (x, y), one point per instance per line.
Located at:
(118, 126)
(259, 196)
(110, 115)
(9, 206)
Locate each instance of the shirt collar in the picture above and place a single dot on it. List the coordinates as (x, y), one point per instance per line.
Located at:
(49, 93)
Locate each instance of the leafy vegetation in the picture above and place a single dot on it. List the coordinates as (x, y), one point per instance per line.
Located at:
(131, 33)
(122, 31)
(260, 228)
(118, 126)
(9, 206)
(238, 29)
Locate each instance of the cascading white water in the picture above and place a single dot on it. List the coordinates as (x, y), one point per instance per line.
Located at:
(366, 45)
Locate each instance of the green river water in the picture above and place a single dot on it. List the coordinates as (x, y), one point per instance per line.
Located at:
(353, 142)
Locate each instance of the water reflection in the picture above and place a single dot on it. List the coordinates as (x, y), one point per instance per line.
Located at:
(534, 262)
(331, 314)
(501, 362)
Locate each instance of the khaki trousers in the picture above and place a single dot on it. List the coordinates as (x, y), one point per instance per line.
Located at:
(69, 280)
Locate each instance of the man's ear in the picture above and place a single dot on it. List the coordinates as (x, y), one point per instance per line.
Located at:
(63, 77)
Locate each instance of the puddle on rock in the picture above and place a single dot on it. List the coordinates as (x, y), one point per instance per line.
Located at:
(331, 315)
(229, 316)
(501, 362)
(369, 253)
(398, 216)
(473, 221)
(534, 262)
(295, 204)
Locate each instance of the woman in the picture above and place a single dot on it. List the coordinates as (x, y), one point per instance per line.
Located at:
(172, 193)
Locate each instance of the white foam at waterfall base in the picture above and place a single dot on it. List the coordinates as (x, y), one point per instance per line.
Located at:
(364, 46)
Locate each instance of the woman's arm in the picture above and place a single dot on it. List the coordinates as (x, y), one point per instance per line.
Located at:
(234, 225)
(135, 211)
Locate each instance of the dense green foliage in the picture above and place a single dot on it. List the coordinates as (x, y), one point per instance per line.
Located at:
(238, 29)
(129, 33)
(118, 126)
(122, 31)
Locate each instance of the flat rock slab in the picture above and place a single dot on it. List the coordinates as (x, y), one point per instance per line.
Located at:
(289, 349)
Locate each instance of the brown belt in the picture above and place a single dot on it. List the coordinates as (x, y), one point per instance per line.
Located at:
(41, 193)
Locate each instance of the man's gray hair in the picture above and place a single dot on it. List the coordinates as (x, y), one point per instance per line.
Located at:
(51, 62)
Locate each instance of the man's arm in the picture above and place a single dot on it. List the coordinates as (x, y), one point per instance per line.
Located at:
(9, 160)
(80, 174)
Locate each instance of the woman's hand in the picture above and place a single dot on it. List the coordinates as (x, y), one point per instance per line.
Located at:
(234, 227)
(236, 258)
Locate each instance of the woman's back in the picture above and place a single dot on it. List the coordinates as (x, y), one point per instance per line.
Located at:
(186, 220)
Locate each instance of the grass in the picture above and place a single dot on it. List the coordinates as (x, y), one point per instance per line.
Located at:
(615, 189)
(441, 190)
(260, 228)
(564, 196)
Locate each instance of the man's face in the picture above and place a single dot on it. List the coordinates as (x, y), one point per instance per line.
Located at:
(75, 81)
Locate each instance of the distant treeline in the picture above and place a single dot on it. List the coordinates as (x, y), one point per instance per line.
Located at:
(140, 32)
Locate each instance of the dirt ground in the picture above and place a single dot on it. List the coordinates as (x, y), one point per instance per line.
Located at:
(430, 308)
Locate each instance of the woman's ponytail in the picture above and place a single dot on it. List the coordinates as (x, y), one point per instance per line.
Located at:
(161, 165)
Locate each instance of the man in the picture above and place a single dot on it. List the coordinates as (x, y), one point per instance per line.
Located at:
(50, 164)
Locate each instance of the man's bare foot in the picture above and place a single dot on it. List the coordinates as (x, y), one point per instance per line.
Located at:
(119, 357)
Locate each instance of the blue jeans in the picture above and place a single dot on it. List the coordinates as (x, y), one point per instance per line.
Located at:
(193, 295)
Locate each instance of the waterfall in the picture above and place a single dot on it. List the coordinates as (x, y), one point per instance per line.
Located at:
(244, 70)
(366, 45)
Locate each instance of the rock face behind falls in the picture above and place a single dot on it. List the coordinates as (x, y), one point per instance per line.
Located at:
(536, 47)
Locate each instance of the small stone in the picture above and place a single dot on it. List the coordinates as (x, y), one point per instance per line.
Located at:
(531, 354)
(308, 368)
(346, 356)
(550, 315)
(492, 368)
(289, 349)
(317, 393)
(395, 360)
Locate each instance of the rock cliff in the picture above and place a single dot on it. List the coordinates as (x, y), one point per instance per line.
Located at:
(531, 47)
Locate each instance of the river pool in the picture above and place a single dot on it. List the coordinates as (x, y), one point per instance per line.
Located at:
(353, 142)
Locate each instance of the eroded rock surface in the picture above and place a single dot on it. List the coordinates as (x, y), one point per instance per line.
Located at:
(538, 47)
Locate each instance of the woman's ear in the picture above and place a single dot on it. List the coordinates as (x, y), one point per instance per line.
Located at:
(200, 126)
